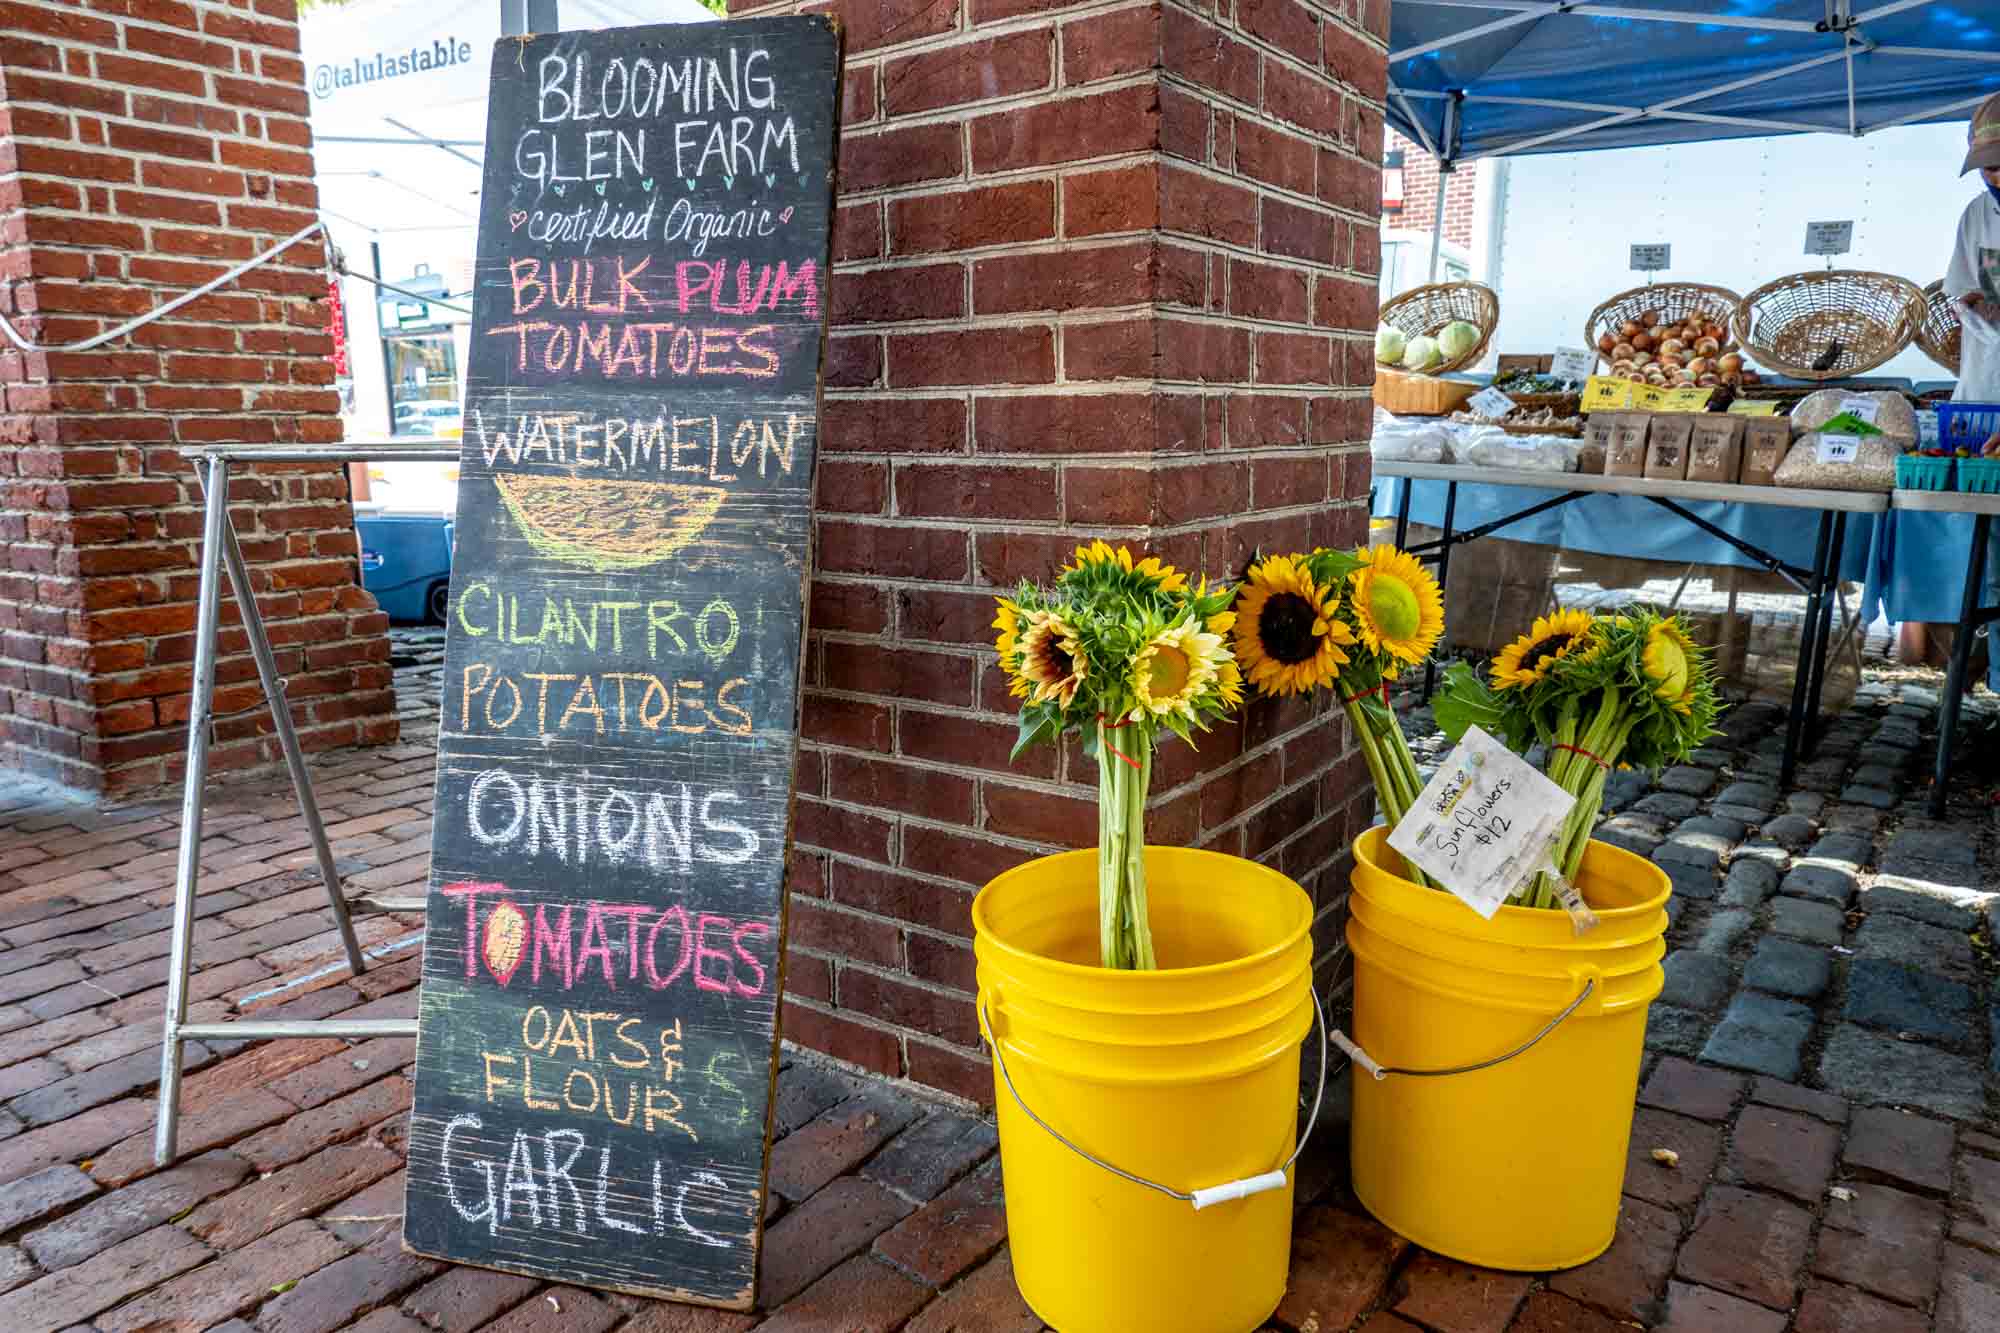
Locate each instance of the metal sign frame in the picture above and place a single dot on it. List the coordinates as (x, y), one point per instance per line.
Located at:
(220, 551)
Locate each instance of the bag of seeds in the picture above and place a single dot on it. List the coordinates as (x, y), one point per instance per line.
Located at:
(1833, 461)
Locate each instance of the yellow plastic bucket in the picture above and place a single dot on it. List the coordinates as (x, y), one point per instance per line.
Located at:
(1187, 1076)
(1518, 1165)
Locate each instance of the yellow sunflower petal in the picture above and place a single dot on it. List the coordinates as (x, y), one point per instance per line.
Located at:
(1397, 605)
(1529, 659)
(1287, 638)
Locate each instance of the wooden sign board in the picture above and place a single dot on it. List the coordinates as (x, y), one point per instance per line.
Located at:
(596, 1038)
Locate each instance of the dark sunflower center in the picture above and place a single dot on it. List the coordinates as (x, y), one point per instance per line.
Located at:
(1284, 630)
(1552, 646)
(1065, 665)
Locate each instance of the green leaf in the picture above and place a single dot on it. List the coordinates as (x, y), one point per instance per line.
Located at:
(1465, 701)
(1038, 723)
(284, 1287)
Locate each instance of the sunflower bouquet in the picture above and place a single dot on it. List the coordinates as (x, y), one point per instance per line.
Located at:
(1630, 690)
(1120, 652)
(1348, 621)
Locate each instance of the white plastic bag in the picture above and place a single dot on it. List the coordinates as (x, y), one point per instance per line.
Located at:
(1489, 446)
(1409, 439)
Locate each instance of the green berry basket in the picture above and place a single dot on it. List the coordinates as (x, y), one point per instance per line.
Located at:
(1915, 472)
(1979, 475)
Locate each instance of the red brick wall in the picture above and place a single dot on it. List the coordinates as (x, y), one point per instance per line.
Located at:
(1420, 180)
(149, 145)
(1102, 269)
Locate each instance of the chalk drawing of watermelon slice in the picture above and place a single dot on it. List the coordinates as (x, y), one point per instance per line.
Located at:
(604, 524)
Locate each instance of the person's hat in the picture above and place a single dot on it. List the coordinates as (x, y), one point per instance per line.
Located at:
(1982, 137)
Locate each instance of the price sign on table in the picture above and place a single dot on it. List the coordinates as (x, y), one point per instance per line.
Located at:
(1839, 448)
(1602, 393)
(1574, 364)
(1483, 824)
(1686, 400)
(1864, 408)
(1652, 258)
(1829, 238)
(1491, 402)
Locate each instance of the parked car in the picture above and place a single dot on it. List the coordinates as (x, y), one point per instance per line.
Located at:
(406, 563)
(434, 419)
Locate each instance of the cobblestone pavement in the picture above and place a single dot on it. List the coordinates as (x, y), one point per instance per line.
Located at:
(1821, 1064)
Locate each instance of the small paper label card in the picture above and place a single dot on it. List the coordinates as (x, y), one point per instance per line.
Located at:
(1483, 824)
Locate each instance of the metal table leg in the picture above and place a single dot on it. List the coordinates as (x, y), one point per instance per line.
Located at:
(1444, 573)
(1795, 724)
(1404, 486)
(188, 866)
(288, 741)
(1969, 619)
(1823, 644)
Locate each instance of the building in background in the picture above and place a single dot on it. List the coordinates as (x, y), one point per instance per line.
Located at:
(1409, 208)
(398, 94)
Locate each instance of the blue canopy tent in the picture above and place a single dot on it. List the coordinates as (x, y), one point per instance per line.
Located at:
(1494, 78)
(1472, 79)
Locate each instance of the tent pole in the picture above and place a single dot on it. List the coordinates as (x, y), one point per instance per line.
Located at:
(1437, 216)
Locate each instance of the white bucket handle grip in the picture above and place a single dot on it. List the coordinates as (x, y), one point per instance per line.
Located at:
(1202, 1198)
(1380, 1072)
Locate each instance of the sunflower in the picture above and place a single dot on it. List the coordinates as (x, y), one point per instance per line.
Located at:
(1396, 605)
(1052, 659)
(1287, 636)
(1101, 552)
(1174, 668)
(1008, 622)
(1667, 662)
(1529, 659)
(1229, 684)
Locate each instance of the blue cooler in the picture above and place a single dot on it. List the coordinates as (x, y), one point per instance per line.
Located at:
(406, 563)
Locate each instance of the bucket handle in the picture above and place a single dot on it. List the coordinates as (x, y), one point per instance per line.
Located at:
(1201, 1198)
(1363, 1059)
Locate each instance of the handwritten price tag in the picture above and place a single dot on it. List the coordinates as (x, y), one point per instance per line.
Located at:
(1927, 430)
(1483, 824)
(1839, 448)
(1491, 402)
(1829, 238)
(1573, 364)
(1652, 258)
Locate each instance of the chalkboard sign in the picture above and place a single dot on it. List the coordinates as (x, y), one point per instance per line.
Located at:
(620, 712)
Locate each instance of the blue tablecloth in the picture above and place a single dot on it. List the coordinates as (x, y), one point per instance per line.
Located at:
(1630, 526)
(1911, 565)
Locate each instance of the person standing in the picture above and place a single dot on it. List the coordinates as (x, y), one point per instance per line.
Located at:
(1973, 280)
(1972, 283)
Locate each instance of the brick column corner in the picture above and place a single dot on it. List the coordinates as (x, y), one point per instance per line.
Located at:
(1100, 270)
(148, 147)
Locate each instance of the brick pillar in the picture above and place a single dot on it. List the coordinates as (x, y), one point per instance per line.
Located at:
(1100, 271)
(157, 143)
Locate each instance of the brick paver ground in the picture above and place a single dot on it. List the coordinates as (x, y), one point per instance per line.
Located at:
(1820, 1068)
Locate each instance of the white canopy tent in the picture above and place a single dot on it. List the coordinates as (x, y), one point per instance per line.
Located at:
(398, 92)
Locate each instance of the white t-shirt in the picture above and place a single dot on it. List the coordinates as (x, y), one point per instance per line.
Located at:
(1975, 267)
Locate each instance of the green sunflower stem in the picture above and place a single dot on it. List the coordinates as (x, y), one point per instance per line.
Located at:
(1125, 935)
(1390, 765)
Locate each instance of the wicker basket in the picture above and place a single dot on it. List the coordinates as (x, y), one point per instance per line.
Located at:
(1674, 301)
(1408, 395)
(1423, 311)
(1789, 325)
(1939, 333)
